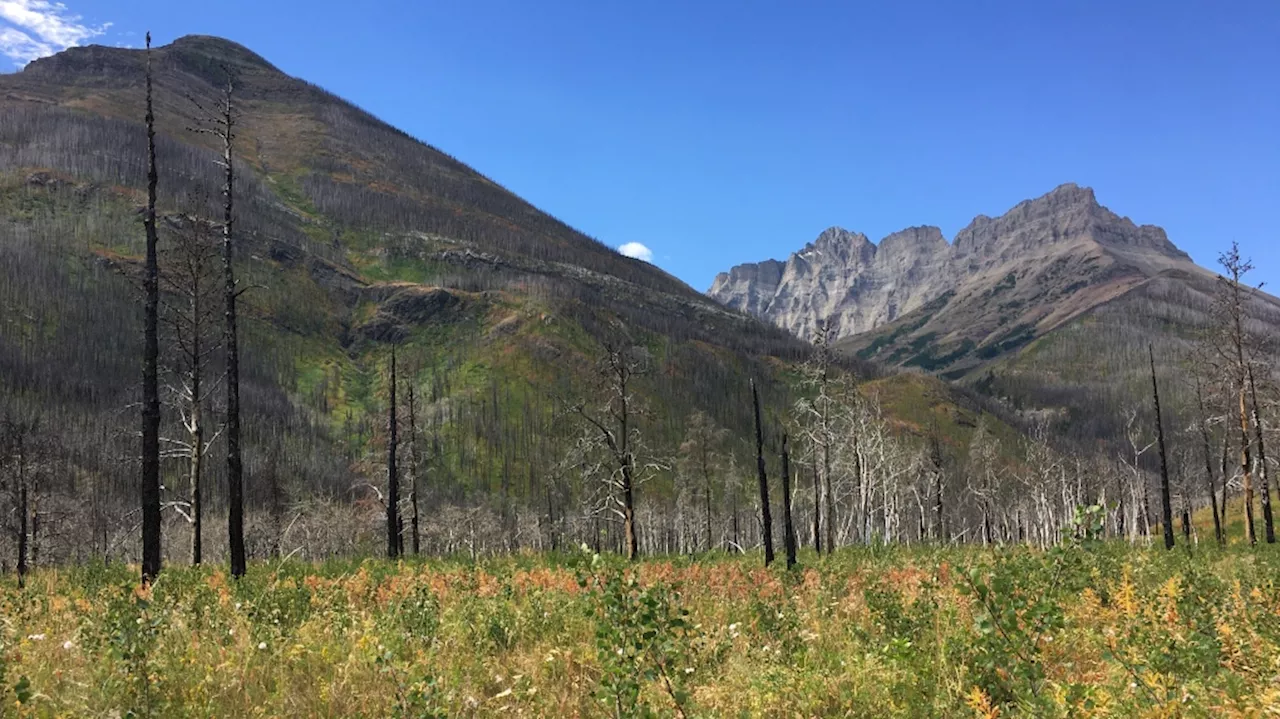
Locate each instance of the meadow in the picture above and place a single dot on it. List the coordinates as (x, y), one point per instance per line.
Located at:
(1096, 630)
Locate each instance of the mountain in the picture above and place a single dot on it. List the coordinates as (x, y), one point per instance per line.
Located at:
(352, 238)
(1050, 306)
(1062, 246)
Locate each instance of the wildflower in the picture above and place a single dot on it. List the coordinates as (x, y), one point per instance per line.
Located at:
(981, 704)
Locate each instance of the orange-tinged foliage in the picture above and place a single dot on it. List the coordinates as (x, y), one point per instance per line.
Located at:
(885, 633)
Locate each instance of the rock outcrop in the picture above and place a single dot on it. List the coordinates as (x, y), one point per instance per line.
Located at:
(1039, 251)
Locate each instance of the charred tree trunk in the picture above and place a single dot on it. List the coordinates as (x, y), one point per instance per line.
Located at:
(225, 129)
(940, 531)
(22, 511)
(196, 469)
(789, 530)
(828, 501)
(766, 517)
(393, 476)
(1218, 535)
(1226, 479)
(817, 511)
(1246, 468)
(414, 526)
(1264, 473)
(150, 363)
(1166, 500)
(704, 454)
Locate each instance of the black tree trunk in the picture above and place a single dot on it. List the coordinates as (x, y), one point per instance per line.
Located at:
(231, 346)
(1166, 501)
(1264, 472)
(393, 475)
(766, 516)
(150, 363)
(789, 530)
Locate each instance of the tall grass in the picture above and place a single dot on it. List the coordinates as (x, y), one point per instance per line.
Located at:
(1105, 630)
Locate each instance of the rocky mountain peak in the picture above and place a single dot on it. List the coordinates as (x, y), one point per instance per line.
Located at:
(914, 241)
(839, 241)
(855, 286)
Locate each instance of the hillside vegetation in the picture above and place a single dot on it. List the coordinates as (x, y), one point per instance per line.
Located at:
(352, 239)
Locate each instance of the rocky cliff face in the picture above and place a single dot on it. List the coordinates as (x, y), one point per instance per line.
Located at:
(1036, 256)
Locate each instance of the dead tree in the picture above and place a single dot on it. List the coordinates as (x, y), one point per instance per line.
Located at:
(938, 462)
(188, 278)
(620, 365)
(1264, 472)
(221, 123)
(1230, 303)
(817, 511)
(1166, 501)
(1203, 423)
(1138, 489)
(394, 534)
(789, 530)
(414, 527)
(766, 517)
(150, 361)
(821, 418)
(15, 438)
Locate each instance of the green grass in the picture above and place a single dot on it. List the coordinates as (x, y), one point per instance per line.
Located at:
(1097, 631)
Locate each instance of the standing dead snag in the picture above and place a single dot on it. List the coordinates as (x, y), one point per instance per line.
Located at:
(1264, 472)
(619, 366)
(817, 511)
(1203, 421)
(415, 534)
(1230, 311)
(15, 441)
(1166, 502)
(188, 278)
(824, 421)
(394, 534)
(938, 462)
(789, 530)
(221, 123)
(150, 361)
(766, 516)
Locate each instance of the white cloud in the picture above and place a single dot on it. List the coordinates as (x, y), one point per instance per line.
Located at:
(20, 47)
(637, 250)
(36, 28)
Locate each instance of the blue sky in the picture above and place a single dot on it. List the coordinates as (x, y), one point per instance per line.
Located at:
(716, 132)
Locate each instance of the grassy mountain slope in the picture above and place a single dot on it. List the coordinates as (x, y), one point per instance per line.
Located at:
(352, 238)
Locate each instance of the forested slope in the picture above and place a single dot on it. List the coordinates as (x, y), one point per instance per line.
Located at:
(352, 239)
